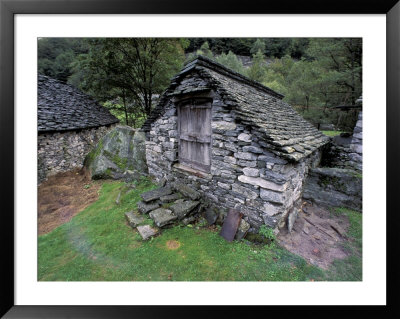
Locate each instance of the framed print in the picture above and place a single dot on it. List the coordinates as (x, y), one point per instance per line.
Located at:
(26, 290)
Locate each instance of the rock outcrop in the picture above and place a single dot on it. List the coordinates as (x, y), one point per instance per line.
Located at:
(334, 187)
(120, 154)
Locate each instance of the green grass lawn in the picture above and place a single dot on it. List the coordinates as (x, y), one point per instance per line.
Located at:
(332, 133)
(350, 268)
(98, 245)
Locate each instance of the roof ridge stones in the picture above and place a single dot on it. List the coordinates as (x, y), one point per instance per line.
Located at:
(62, 107)
(201, 60)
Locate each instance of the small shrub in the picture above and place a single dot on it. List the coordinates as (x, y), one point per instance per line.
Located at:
(267, 232)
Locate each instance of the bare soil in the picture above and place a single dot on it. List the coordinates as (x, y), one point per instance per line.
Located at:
(318, 236)
(173, 244)
(62, 196)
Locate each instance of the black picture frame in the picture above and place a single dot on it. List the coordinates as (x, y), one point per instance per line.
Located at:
(8, 9)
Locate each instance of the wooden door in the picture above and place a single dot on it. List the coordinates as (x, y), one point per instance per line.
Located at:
(194, 116)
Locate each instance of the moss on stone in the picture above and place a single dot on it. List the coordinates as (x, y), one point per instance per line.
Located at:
(335, 182)
(131, 147)
(94, 153)
(120, 162)
(357, 175)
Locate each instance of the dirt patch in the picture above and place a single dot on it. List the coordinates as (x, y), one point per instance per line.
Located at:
(318, 236)
(62, 196)
(173, 244)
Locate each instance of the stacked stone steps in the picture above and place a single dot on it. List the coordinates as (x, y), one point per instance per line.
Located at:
(170, 205)
(166, 206)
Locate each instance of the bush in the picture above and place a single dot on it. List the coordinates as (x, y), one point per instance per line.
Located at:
(267, 232)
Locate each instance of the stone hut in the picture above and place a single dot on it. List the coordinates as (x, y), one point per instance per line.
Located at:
(234, 140)
(69, 124)
(345, 151)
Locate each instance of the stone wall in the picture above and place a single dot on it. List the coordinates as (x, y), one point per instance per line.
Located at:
(356, 141)
(346, 155)
(64, 151)
(244, 173)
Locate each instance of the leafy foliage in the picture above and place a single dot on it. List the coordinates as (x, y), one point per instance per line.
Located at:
(128, 72)
(258, 45)
(127, 75)
(328, 75)
(267, 232)
(257, 70)
(231, 61)
(55, 56)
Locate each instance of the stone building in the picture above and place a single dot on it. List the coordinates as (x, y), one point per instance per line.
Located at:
(356, 143)
(234, 140)
(345, 150)
(69, 124)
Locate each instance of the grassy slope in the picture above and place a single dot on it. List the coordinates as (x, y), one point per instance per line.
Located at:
(98, 245)
(350, 268)
(331, 133)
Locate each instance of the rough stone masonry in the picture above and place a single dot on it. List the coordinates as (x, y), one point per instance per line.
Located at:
(70, 123)
(260, 148)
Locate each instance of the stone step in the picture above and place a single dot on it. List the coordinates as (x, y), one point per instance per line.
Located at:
(144, 208)
(186, 190)
(134, 219)
(162, 216)
(156, 194)
(181, 209)
(146, 231)
(170, 198)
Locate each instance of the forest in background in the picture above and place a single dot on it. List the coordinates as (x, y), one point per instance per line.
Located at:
(127, 75)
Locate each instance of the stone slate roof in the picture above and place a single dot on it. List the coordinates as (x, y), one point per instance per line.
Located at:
(286, 132)
(62, 107)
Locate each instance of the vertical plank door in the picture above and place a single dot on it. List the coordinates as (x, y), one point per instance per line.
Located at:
(195, 133)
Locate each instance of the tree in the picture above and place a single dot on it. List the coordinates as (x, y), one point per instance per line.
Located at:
(258, 45)
(298, 47)
(130, 71)
(343, 56)
(257, 70)
(303, 78)
(205, 51)
(277, 47)
(231, 61)
(55, 56)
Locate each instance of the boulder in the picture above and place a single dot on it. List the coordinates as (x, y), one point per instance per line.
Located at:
(133, 219)
(334, 187)
(146, 231)
(162, 216)
(120, 154)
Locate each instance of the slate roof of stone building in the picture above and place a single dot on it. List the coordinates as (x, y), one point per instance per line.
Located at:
(288, 134)
(62, 107)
